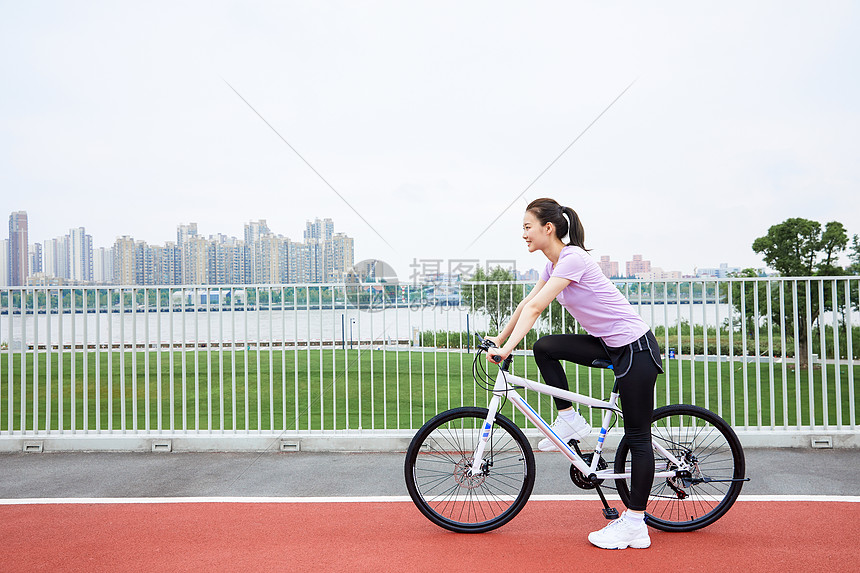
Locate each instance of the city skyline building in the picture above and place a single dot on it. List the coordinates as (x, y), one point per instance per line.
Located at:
(102, 265)
(36, 258)
(637, 265)
(184, 234)
(339, 254)
(658, 274)
(609, 268)
(721, 272)
(255, 264)
(80, 255)
(124, 261)
(263, 258)
(19, 252)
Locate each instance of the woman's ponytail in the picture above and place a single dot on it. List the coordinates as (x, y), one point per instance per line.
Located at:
(576, 230)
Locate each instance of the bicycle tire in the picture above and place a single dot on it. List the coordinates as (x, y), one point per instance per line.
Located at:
(703, 438)
(439, 456)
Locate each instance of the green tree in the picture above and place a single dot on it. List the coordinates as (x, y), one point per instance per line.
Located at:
(854, 256)
(797, 247)
(499, 301)
(791, 246)
(496, 301)
(834, 240)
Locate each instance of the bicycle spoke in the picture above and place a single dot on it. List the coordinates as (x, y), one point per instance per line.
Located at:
(707, 449)
(442, 481)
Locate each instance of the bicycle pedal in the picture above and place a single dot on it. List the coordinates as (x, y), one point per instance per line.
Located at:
(610, 513)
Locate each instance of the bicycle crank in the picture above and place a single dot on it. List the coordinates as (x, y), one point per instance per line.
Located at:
(581, 480)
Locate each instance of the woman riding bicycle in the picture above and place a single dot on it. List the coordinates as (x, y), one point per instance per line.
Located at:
(616, 332)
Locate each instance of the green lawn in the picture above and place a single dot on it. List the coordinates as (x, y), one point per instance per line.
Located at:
(337, 389)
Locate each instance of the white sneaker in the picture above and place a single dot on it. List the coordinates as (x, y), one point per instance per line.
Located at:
(621, 534)
(565, 430)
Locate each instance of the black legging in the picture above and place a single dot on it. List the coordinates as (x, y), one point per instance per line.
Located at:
(636, 390)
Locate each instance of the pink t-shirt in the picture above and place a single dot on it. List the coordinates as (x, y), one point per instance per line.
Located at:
(593, 300)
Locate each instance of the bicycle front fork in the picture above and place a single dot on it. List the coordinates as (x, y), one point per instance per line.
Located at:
(486, 432)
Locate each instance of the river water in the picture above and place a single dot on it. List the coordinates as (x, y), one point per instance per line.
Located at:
(333, 326)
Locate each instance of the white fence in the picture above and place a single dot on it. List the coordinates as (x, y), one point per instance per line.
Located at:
(276, 365)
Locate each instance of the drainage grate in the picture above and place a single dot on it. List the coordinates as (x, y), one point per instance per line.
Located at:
(290, 446)
(34, 447)
(162, 446)
(822, 442)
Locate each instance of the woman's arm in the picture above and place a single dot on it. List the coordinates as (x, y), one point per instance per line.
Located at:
(527, 314)
(500, 338)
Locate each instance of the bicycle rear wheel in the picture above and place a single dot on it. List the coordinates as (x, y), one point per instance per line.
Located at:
(711, 447)
(437, 471)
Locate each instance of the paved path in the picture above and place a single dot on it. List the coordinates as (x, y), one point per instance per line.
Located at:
(546, 536)
(65, 528)
(92, 475)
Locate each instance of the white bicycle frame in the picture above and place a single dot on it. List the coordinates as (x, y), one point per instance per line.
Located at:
(505, 386)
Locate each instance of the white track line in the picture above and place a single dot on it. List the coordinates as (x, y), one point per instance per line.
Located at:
(368, 499)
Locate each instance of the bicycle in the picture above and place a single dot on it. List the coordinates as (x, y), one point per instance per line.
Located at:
(471, 469)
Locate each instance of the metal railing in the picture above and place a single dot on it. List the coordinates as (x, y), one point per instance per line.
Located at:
(766, 354)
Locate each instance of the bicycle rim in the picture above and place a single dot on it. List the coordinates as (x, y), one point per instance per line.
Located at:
(714, 452)
(437, 471)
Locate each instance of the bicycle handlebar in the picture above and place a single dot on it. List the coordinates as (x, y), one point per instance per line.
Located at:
(485, 346)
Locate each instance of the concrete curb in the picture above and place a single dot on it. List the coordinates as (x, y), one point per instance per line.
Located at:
(357, 441)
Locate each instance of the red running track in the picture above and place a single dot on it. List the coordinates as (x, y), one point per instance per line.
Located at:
(392, 536)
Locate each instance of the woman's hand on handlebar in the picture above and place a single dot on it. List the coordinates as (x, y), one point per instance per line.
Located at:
(495, 340)
(496, 355)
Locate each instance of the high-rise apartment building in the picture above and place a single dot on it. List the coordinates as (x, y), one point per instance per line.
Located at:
(49, 257)
(298, 262)
(262, 258)
(236, 262)
(102, 265)
(36, 258)
(143, 264)
(124, 261)
(195, 263)
(321, 230)
(188, 252)
(56, 258)
(226, 260)
(19, 252)
(171, 264)
(80, 255)
(609, 268)
(316, 260)
(339, 254)
(256, 263)
(637, 265)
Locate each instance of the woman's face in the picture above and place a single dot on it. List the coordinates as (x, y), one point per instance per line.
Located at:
(537, 236)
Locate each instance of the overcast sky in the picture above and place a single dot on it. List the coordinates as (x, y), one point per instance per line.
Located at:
(429, 118)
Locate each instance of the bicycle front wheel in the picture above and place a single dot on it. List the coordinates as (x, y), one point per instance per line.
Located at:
(712, 450)
(439, 478)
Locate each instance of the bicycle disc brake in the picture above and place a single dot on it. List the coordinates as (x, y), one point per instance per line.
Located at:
(464, 477)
